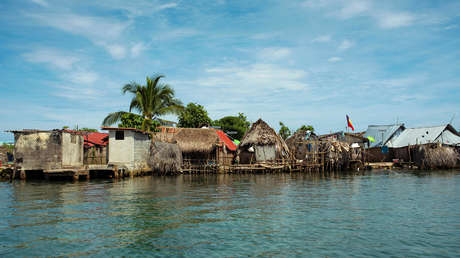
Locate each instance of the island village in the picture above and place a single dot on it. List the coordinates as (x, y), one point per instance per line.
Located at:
(146, 144)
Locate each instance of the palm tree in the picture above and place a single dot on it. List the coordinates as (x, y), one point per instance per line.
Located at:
(150, 101)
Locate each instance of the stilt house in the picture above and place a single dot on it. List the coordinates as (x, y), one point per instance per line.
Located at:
(261, 144)
(204, 145)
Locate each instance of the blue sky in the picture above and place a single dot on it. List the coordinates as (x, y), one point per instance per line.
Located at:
(300, 62)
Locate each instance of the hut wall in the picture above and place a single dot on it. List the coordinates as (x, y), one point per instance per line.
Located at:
(401, 154)
(197, 157)
(121, 152)
(224, 156)
(247, 157)
(141, 150)
(95, 155)
(72, 150)
(375, 155)
(265, 152)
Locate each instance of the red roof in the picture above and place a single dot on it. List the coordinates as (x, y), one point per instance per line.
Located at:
(92, 139)
(224, 138)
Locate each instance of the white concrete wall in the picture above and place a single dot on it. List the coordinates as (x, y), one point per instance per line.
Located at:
(141, 150)
(121, 152)
(72, 151)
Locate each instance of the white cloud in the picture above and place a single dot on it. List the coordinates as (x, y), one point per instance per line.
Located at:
(166, 6)
(322, 39)
(316, 3)
(268, 35)
(346, 44)
(83, 77)
(55, 58)
(40, 2)
(385, 18)
(136, 8)
(137, 49)
(101, 31)
(274, 53)
(255, 77)
(116, 51)
(391, 20)
(354, 8)
(176, 34)
(94, 28)
(77, 92)
(334, 59)
(451, 27)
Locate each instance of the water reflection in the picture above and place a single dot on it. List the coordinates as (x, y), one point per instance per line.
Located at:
(380, 214)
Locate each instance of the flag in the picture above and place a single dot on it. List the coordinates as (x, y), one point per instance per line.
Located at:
(349, 124)
(371, 139)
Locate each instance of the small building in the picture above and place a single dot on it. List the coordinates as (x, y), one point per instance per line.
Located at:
(203, 145)
(129, 148)
(261, 144)
(95, 148)
(383, 136)
(401, 146)
(40, 151)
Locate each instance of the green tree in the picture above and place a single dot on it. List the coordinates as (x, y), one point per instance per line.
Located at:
(151, 101)
(238, 124)
(306, 128)
(86, 129)
(130, 120)
(284, 131)
(194, 116)
(9, 147)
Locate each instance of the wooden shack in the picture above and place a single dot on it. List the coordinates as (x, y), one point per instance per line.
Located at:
(262, 144)
(41, 153)
(304, 145)
(95, 148)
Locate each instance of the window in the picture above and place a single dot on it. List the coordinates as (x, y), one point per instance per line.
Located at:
(73, 138)
(119, 135)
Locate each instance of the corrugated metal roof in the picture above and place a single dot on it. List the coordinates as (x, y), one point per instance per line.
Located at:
(424, 135)
(387, 131)
(447, 137)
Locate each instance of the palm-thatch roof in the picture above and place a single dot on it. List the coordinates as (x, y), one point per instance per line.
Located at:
(202, 140)
(262, 134)
(299, 136)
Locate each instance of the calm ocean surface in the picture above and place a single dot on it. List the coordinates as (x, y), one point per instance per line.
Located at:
(380, 214)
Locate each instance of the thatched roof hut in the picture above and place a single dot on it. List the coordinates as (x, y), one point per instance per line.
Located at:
(204, 144)
(261, 143)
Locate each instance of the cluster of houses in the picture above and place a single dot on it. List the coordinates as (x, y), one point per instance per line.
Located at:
(396, 142)
(129, 150)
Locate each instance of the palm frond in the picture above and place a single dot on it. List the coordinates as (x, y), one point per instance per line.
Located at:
(112, 118)
(130, 87)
